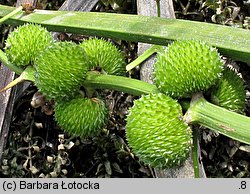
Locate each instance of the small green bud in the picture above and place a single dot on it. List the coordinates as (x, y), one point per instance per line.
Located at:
(60, 70)
(156, 132)
(105, 55)
(187, 67)
(25, 43)
(81, 116)
(229, 92)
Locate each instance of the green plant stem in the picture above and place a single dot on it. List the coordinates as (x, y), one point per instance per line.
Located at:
(231, 42)
(119, 83)
(5, 61)
(3, 57)
(158, 5)
(230, 124)
(153, 49)
(195, 154)
(15, 11)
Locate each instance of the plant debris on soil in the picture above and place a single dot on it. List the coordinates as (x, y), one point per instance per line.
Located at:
(37, 147)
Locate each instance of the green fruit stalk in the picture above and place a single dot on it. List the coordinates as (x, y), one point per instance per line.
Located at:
(229, 92)
(105, 55)
(156, 132)
(81, 116)
(187, 67)
(60, 70)
(25, 43)
(228, 123)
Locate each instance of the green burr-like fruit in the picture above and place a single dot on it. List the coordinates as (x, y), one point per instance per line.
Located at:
(156, 132)
(60, 70)
(186, 67)
(105, 55)
(229, 92)
(81, 116)
(25, 43)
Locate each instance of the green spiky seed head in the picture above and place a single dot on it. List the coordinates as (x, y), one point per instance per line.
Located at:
(81, 116)
(105, 55)
(229, 92)
(156, 132)
(186, 67)
(60, 70)
(25, 43)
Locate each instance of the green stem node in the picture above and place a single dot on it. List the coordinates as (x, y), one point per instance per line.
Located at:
(230, 124)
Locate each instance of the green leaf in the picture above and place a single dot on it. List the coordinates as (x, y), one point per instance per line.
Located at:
(231, 42)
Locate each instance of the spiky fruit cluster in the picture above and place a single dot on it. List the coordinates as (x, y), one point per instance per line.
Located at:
(229, 92)
(81, 116)
(25, 43)
(186, 67)
(105, 55)
(156, 132)
(60, 70)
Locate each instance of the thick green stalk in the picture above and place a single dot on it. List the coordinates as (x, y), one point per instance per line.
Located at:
(119, 83)
(231, 42)
(230, 124)
(99, 81)
(153, 49)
